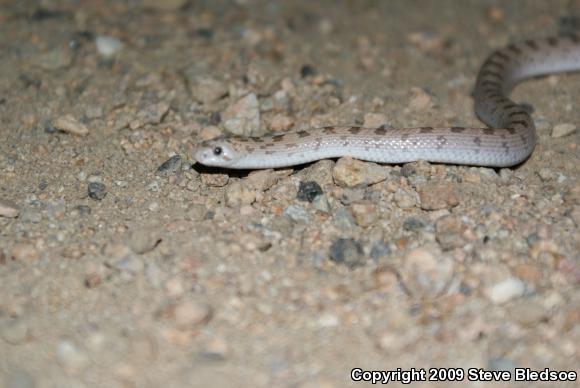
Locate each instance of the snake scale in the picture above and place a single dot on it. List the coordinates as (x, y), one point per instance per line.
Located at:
(509, 139)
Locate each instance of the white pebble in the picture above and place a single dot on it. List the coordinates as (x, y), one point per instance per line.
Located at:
(189, 314)
(8, 209)
(564, 129)
(70, 356)
(68, 123)
(505, 290)
(108, 46)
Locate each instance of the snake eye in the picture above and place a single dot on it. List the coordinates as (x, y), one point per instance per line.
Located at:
(217, 151)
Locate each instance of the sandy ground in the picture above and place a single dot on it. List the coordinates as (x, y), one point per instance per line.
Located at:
(115, 272)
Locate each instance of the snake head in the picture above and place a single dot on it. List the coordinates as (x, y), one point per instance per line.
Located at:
(215, 153)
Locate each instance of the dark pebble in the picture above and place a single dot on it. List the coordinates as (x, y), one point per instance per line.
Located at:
(50, 129)
(532, 238)
(170, 167)
(84, 210)
(97, 190)
(413, 224)
(307, 71)
(28, 81)
(465, 289)
(347, 251)
(307, 191)
(380, 250)
(42, 14)
(408, 170)
(204, 33)
(215, 118)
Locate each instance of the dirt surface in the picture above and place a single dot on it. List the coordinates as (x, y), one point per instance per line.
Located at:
(117, 270)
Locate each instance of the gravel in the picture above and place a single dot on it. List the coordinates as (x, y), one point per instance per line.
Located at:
(166, 275)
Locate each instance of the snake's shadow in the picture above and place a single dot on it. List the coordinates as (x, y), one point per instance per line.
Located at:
(242, 173)
(202, 169)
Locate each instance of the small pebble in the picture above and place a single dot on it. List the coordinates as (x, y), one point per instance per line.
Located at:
(297, 214)
(321, 204)
(506, 290)
(327, 320)
(143, 240)
(281, 123)
(24, 252)
(307, 71)
(108, 46)
(14, 331)
(343, 219)
(262, 180)
(116, 250)
(8, 209)
(436, 196)
(528, 313)
(71, 357)
(414, 224)
(131, 265)
(243, 117)
(348, 252)
(207, 90)
(495, 14)
(379, 250)
(420, 100)
(217, 349)
(69, 124)
(564, 129)
(171, 166)
(354, 173)
(189, 314)
(405, 199)
(196, 212)
(97, 190)
(348, 196)
(210, 132)
(546, 174)
(365, 213)
(93, 276)
(375, 120)
(151, 114)
(449, 232)
(308, 191)
(427, 272)
(239, 193)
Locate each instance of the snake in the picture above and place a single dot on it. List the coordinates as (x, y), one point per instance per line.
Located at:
(508, 140)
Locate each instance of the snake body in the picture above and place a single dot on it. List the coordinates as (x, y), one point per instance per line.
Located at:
(509, 139)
